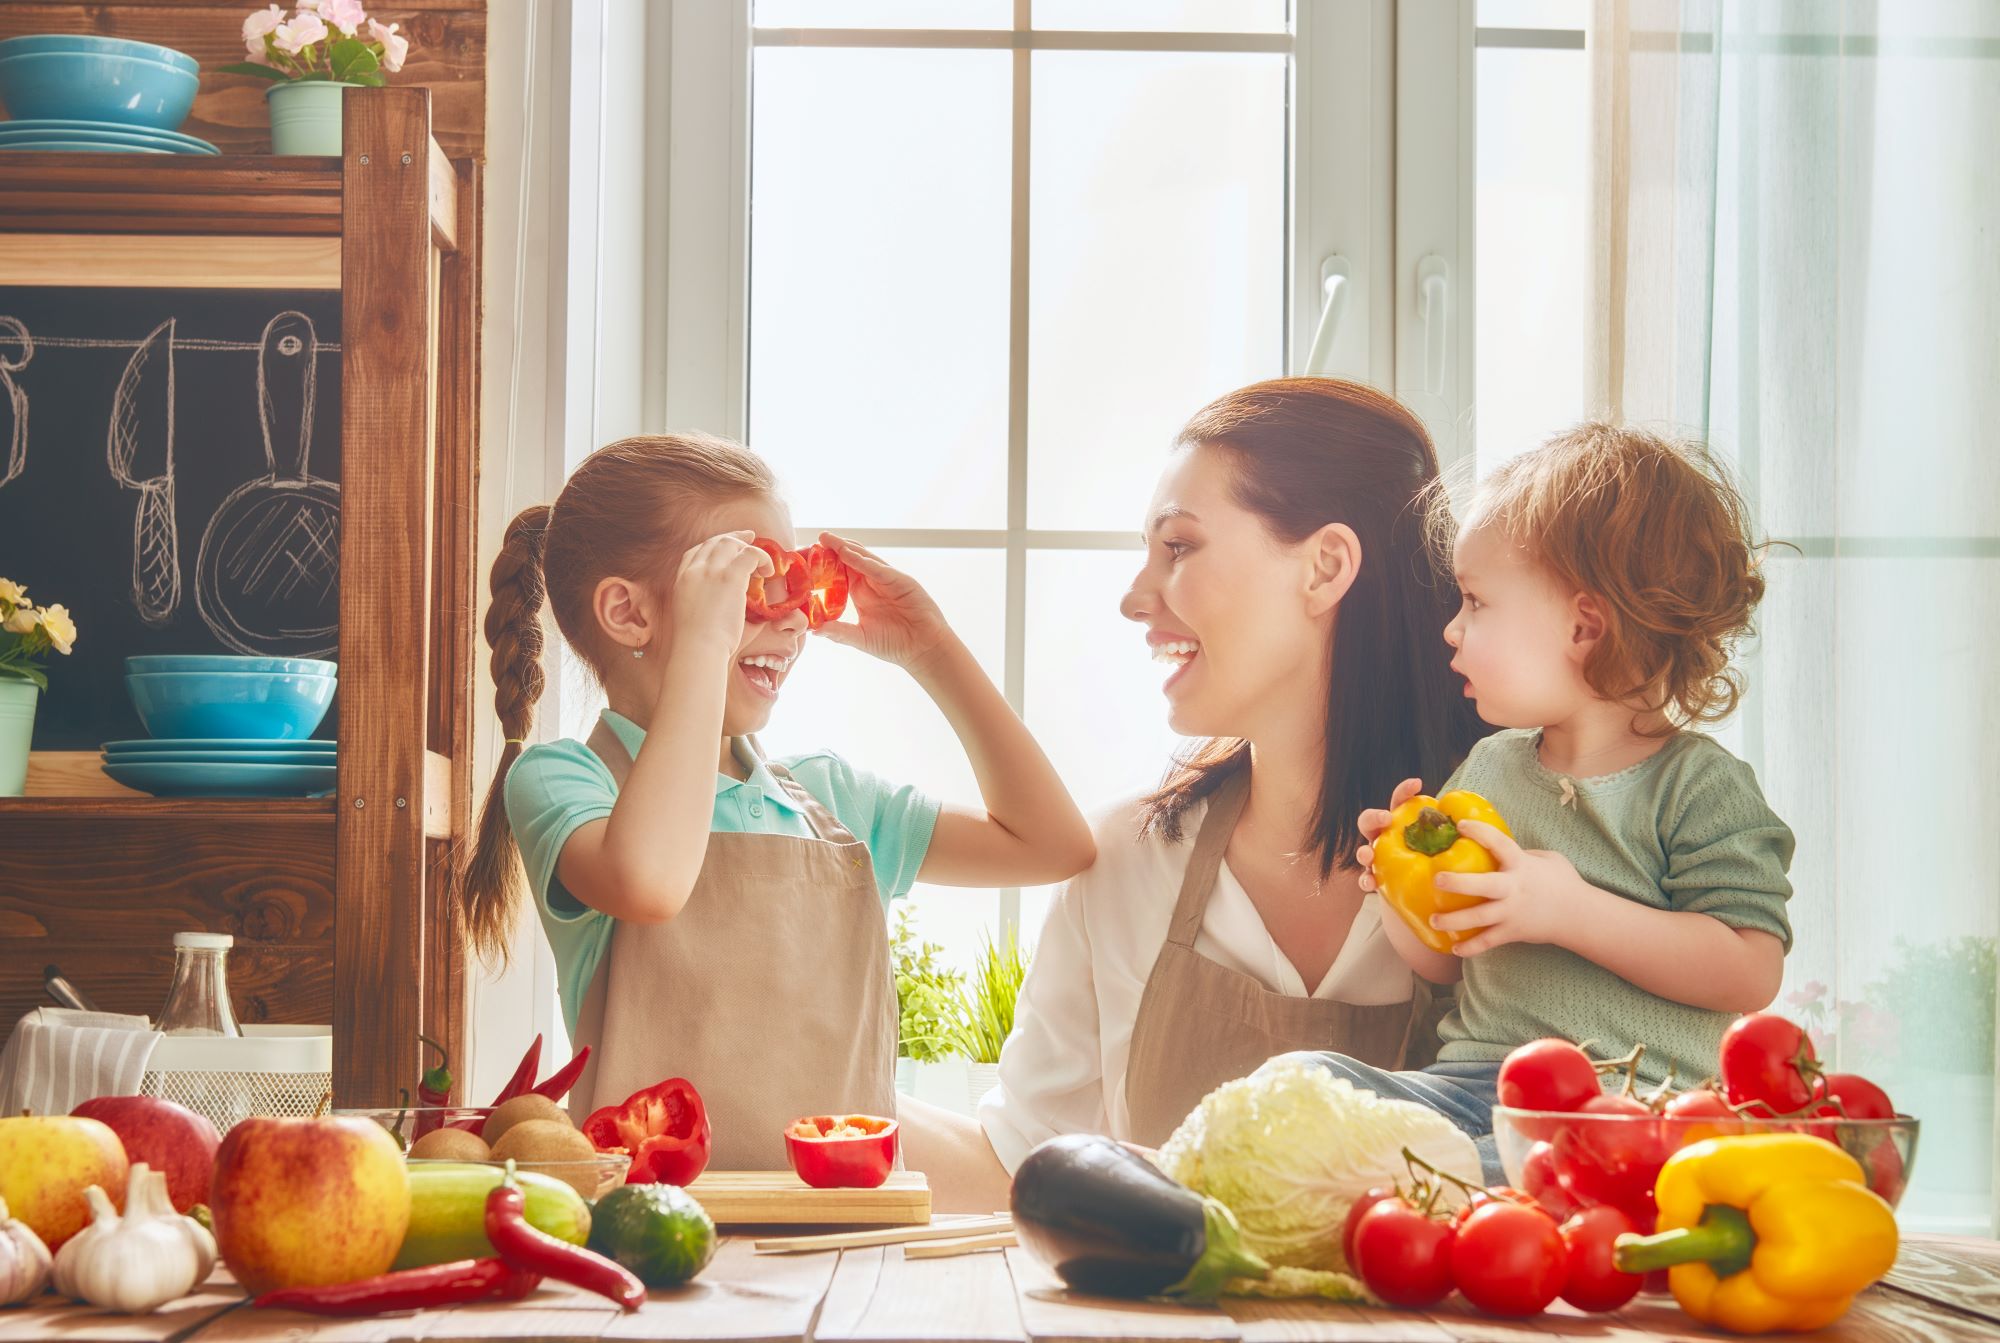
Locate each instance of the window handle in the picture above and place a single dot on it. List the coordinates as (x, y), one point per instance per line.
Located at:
(1433, 307)
(1333, 280)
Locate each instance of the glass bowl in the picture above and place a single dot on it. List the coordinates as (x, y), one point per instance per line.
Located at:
(593, 1177)
(406, 1123)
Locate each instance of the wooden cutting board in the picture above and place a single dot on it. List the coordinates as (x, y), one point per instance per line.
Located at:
(780, 1198)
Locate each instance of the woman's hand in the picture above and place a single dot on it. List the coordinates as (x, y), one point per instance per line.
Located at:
(1374, 821)
(710, 588)
(897, 620)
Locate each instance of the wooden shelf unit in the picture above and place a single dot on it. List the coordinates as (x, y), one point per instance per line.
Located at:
(340, 906)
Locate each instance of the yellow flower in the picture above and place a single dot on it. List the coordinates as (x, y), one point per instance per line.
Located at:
(22, 621)
(12, 593)
(59, 627)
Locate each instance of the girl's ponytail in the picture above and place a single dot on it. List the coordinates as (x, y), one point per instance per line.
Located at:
(490, 882)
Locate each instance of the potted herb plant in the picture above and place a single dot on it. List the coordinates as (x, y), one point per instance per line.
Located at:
(27, 633)
(986, 1017)
(930, 1017)
(312, 56)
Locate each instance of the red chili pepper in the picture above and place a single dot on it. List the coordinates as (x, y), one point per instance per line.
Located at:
(664, 1127)
(535, 1251)
(524, 1075)
(450, 1284)
(842, 1151)
(563, 1078)
(434, 1088)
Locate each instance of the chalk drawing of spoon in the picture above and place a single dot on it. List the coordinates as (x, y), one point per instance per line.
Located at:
(14, 405)
(268, 577)
(140, 449)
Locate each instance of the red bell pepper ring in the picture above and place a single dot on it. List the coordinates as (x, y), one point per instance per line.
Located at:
(763, 601)
(842, 1151)
(826, 581)
(426, 1288)
(664, 1127)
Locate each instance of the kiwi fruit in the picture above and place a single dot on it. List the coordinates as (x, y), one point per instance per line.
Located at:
(450, 1144)
(553, 1149)
(522, 1109)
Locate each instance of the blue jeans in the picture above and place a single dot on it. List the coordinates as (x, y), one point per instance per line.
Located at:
(1464, 1093)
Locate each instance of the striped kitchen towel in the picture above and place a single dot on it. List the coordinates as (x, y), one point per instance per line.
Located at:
(58, 1058)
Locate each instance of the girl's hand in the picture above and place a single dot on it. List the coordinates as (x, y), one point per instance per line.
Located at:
(1536, 896)
(1373, 822)
(898, 620)
(710, 588)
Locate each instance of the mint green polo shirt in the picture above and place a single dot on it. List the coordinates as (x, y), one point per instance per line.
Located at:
(557, 786)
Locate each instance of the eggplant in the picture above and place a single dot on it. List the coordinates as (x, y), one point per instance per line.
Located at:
(1110, 1223)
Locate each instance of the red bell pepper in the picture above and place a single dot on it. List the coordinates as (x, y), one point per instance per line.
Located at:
(826, 581)
(842, 1151)
(664, 1127)
(784, 591)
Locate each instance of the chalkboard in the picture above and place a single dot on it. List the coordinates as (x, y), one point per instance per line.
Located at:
(169, 470)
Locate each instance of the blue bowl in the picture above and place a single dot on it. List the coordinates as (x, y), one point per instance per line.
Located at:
(99, 46)
(220, 662)
(89, 86)
(265, 706)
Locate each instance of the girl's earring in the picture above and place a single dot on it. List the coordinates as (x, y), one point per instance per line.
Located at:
(638, 652)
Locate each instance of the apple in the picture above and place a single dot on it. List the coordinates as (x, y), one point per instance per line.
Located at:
(47, 1161)
(307, 1202)
(170, 1138)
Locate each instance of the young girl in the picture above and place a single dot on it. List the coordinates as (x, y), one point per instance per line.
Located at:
(716, 915)
(1605, 578)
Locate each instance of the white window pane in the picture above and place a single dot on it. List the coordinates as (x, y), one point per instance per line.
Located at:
(883, 14)
(1157, 280)
(1570, 14)
(1533, 151)
(1155, 16)
(1092, 691)
(878, 283)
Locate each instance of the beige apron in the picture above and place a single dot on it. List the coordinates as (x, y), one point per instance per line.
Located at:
(1201, 1024)
(770, 991)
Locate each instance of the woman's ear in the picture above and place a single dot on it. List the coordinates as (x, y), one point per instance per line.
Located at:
(1334, 552)
(625, 613)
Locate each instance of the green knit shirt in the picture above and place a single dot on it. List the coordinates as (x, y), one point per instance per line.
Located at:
(1686, 829)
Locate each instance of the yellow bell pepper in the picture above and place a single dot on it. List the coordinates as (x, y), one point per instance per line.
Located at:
(1765, 1231)
(1421, 841)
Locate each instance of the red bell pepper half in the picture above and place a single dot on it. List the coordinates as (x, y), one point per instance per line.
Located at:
(842, 1151)
(664, 1127)
(814, 579)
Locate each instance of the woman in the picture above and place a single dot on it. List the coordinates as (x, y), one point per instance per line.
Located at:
(1288, 579)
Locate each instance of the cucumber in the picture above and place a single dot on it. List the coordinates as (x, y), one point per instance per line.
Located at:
(448, 1211)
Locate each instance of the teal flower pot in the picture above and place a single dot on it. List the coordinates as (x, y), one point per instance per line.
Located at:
(17, 730)
(305, 116)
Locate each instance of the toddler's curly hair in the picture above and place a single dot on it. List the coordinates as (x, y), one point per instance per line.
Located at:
(1656, 530)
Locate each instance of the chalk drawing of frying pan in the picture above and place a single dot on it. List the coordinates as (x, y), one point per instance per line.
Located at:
(268, 578)
(140, 450)
(14, 404)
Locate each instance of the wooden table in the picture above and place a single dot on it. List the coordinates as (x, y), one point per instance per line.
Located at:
(1943, 1290)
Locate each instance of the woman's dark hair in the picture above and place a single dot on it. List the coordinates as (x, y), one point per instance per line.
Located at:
(1302, 453)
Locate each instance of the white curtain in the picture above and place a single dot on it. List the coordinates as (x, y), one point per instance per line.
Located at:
(1796, 223)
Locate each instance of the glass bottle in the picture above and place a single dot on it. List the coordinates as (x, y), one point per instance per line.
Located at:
(198, 1002)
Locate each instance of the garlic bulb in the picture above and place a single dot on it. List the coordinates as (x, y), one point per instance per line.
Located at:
(138, 1262)
(24, 1260)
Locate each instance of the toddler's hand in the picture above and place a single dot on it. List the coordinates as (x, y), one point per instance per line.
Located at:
(1374, 821)
(1534, 896)
(897, 620)
(710, 588)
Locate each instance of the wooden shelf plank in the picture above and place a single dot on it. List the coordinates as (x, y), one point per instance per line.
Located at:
(170, 261)
(166, 193)
(139, 807)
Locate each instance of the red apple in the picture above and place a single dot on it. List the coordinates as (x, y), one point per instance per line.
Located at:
(305, 1202)
(170, 1138)
(46, 1162)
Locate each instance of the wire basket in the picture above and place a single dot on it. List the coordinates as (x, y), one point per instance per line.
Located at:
(279, 1071)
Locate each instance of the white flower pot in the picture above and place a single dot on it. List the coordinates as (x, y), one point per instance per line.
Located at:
(980, 1078)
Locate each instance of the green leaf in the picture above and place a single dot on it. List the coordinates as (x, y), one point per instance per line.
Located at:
(350, 58)
(368, 81)
(275, 75)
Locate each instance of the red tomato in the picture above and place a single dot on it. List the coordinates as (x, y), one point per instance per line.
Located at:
(1859, 1098)
(1885, 1170)
(1544, 1183)
(1378, 1194)
(1695, 1115)
(1509, 1260)
(1547, 1075)
(1769, 1060)
(1616, 1163)
(1403, 1256)
(1499, 1193)
(1593, 1282)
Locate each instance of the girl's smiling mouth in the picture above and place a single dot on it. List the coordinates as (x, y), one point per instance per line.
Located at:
(765, 672)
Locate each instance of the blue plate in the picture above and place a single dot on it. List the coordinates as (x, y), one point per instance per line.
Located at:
(77, 147)
(109, 132)
(317, 759)
(210, 745)
(219, 780)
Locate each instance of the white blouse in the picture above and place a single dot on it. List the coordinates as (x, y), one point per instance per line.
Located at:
(1063, 1068)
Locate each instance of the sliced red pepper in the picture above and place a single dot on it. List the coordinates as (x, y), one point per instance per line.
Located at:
(434, 1285)
(826, 580)
(842, 1151)
(664, 1127)
(763, 602)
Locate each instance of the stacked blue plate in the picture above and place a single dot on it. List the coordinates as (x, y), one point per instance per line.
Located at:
(228, 727)
(222, 766)
(97, 137)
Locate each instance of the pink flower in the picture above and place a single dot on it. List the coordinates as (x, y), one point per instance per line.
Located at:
(394, 47)
(260, 22)
(304, 30)
(309, 6)
(346, 15)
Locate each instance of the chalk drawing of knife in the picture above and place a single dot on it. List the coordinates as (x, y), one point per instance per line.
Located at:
(140, 449)
(14, 399)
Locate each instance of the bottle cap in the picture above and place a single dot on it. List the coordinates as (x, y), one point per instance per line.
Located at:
(205, 941)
